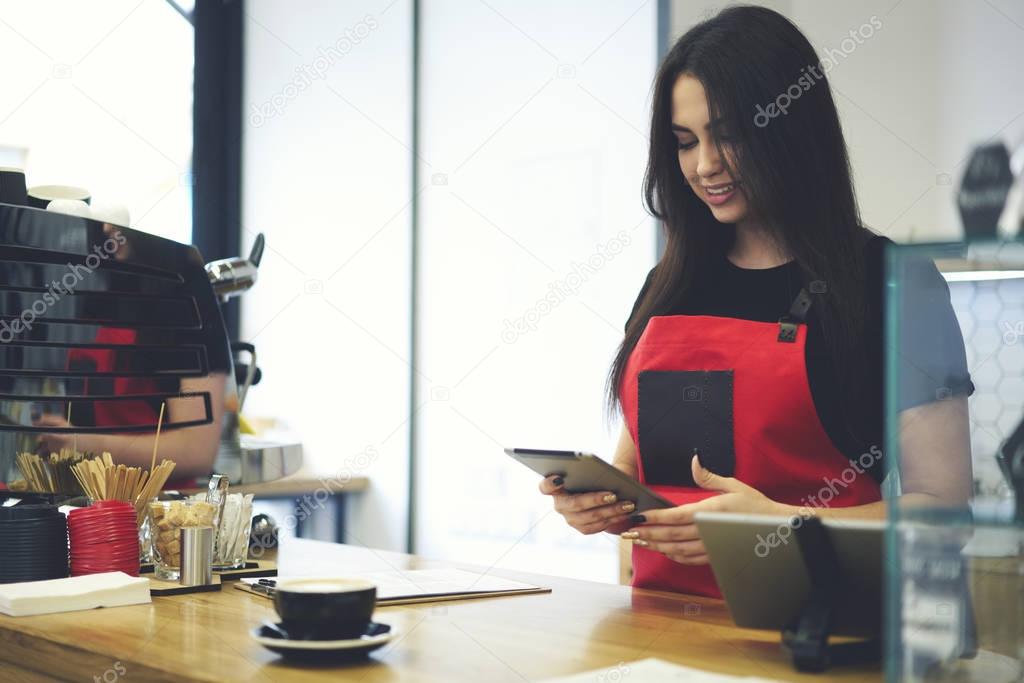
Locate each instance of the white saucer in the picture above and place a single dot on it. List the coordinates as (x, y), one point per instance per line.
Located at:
(270, 636)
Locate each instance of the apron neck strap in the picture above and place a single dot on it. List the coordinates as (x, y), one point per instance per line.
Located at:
(798, 309)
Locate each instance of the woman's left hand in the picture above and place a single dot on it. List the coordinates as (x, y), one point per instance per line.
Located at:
(672, 531)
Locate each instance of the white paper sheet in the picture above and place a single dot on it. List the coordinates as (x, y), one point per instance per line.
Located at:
(423, 582)
(653, 671)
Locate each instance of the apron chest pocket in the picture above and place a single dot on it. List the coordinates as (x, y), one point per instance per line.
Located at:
(679, 411)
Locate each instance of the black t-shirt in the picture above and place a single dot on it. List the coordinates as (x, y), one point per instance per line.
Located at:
(937, 370)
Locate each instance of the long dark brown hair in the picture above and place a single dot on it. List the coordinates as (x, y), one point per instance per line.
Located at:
(793, 166)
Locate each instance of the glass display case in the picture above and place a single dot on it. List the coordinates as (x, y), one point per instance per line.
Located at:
(955, 572)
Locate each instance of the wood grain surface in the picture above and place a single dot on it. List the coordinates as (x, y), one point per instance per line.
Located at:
(579, 626)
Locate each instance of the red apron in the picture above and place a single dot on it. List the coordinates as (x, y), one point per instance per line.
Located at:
(780, 447)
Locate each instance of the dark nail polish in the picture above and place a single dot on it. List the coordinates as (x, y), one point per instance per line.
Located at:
(637, 519)
(558, 481)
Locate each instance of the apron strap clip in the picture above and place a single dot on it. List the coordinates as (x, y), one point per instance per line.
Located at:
(790, 323)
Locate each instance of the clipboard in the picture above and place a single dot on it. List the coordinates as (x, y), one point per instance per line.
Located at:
(417, 586)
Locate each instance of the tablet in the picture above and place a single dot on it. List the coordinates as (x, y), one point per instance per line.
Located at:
(584, 473)
(759, 567)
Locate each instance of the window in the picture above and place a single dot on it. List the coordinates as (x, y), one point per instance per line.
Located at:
(534, 244)
(99, 95)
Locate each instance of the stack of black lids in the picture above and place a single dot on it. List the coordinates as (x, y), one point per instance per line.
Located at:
(33, 543)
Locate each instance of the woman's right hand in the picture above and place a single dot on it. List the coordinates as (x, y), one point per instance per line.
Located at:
(589, 513)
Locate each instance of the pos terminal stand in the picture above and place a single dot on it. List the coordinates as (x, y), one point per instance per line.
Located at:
(806, 638)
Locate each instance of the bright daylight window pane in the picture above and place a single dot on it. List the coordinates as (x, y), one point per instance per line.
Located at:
(99, 95)
(328, 118)
(533, 126)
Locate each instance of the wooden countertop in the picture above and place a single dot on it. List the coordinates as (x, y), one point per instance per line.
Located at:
(579, 626)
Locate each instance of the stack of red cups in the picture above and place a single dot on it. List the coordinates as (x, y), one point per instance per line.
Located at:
(104, 538)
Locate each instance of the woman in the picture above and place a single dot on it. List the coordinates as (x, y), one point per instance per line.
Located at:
(750, 375)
